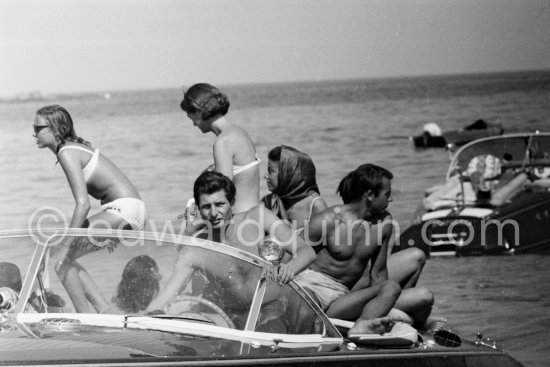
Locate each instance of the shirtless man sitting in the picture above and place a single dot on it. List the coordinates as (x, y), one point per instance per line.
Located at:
(352, 235)
(214, 194)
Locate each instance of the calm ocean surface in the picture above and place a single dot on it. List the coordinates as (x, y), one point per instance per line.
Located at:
(341, 125)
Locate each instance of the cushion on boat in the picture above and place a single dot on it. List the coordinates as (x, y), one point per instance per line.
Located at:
(503, 194)
(449, 194)
(541, 183)
(401, 335)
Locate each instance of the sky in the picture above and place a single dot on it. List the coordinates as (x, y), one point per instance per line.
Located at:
(63, 46)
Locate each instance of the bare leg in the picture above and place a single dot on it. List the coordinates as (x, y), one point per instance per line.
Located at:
(80, 287)
(91, 291)
(68, 273)
(405, 266)
(76, 280)
(418, 303)
(368, 306)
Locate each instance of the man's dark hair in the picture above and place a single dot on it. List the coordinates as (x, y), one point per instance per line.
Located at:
(366, 177)
(210, 182)
(139, 284)
(10, 276)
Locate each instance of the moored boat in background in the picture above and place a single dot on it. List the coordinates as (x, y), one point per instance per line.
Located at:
(495, 199)
(434, 137)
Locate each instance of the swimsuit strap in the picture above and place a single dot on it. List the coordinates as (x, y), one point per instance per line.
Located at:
(239, 169)
(89, 168)
(75, 147)
(311, 207)
(91, 165)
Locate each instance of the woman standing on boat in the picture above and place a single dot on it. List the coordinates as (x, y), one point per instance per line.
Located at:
(89, 173)
(234, 151)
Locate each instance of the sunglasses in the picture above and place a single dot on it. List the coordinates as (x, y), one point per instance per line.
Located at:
(38, 128)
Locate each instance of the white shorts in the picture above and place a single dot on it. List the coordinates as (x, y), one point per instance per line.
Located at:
(132, 210)
(325, 288)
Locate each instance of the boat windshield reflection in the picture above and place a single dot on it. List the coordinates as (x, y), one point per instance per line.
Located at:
(227, 288)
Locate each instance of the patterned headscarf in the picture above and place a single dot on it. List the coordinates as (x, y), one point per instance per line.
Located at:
(296, 180)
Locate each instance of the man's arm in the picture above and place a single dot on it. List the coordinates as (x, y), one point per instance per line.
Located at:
(183, 270)
(302, 253)
(364, 281)
(382, 234)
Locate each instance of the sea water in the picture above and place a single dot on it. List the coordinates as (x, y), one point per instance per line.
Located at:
(340, 124)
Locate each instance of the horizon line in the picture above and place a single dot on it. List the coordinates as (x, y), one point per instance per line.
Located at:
(37, 94)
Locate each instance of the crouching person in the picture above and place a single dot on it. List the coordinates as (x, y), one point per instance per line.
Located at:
(352, 236)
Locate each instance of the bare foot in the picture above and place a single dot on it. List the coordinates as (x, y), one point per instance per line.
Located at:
(379, 325)
(433, 324)
(398, 315)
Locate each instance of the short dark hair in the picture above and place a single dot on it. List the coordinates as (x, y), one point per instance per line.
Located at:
(366, 177)
(206, 99)
(139, 284)
(10, 276)
(210, 182)
(275, 154)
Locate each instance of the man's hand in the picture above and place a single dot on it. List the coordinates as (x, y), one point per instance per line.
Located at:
(283, 273)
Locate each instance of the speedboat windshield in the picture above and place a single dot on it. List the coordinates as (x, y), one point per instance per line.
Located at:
(125, 273)
(16, 251)
(514, 151)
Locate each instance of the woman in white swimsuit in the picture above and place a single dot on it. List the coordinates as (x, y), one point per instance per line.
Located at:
(291, 179)
(234, 151)
(89, 173)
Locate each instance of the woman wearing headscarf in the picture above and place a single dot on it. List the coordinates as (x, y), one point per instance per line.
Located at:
(295, 196)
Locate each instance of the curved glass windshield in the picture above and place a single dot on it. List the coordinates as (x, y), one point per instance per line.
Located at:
(511, 151)
(189, 279)
(16, 252)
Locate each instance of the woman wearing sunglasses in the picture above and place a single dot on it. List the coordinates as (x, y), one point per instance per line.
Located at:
(89, 172)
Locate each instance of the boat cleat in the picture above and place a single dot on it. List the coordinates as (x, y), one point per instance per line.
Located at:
(275, 345)
(427, 344)
(488, 342)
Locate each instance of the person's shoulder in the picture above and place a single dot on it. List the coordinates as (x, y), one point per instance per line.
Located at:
(382, 218)
(223, 140)
(234, 134)
(259, 211)
(319, 204)
(386, 217)
(72, 145)
(384, 221)
(238, 130)
(189, 254)
(253, 214)
(330, 214)
(72, 149)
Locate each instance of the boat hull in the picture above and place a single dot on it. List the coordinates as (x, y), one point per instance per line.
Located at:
(111, 347)
(522, 226)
